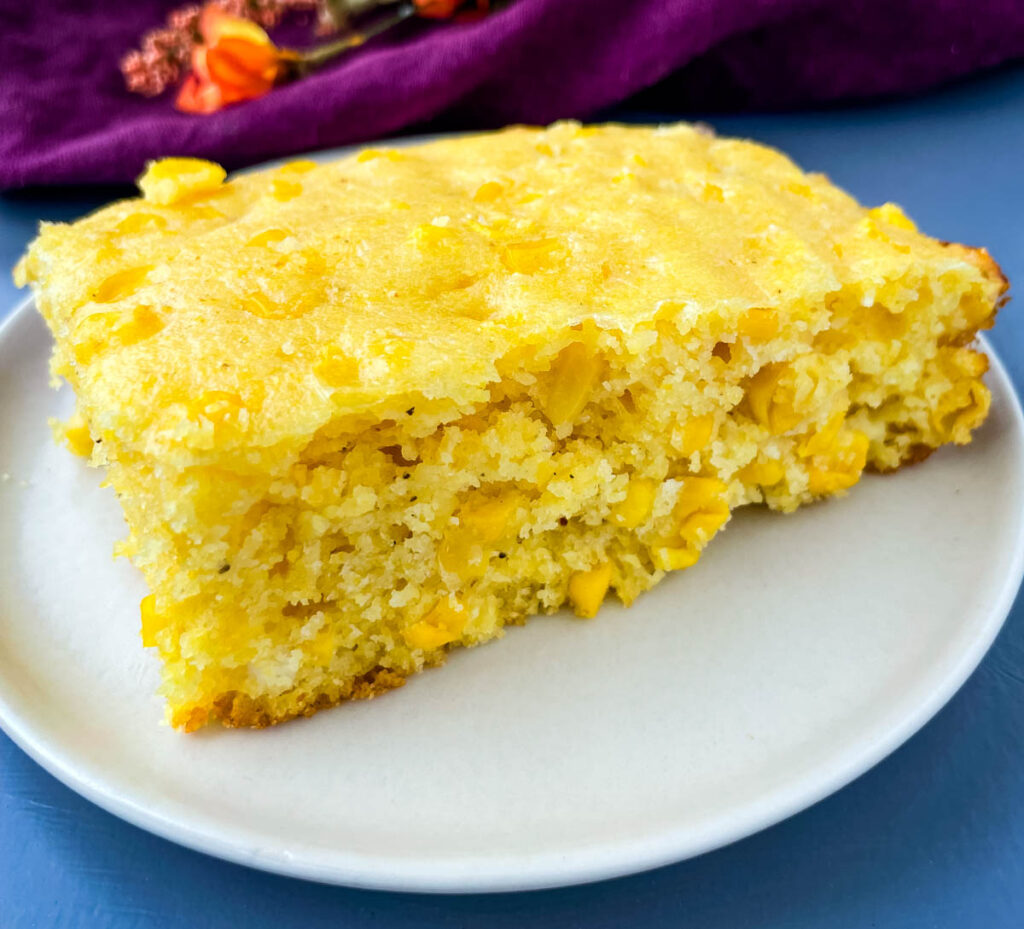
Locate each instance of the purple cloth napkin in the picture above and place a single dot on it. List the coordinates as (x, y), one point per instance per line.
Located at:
(66, 116)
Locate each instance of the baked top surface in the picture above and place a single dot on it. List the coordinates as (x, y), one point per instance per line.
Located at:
(294, 295)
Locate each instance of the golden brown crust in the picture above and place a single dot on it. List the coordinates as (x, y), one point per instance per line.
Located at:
(963, 339)
(378, 681)
(238, 710)
(914, 455)
(990, 267)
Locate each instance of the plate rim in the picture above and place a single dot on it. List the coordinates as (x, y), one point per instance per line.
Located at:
(549, 869)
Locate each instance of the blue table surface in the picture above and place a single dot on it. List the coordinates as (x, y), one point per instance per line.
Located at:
(931, 837)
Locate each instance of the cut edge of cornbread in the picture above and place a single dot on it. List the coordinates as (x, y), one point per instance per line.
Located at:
(321, 555)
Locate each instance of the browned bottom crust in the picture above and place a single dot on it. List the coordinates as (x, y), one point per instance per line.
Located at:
(915, 455)
(235, 709)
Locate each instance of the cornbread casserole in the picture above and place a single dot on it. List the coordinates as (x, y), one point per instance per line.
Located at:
(358, 414)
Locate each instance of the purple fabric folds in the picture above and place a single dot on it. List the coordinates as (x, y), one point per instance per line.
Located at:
(65, 116)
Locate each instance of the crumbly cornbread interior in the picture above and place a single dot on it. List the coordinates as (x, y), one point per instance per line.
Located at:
(361, 413)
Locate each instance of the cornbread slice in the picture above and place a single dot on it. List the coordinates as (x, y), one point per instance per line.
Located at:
(361, 413)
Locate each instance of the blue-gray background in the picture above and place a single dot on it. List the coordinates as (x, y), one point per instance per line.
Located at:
(932, 837)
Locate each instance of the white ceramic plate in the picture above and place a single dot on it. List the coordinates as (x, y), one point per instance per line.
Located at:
(799, 652)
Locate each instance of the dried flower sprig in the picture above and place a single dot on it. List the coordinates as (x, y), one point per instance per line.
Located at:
(226, 56)
(166, 53)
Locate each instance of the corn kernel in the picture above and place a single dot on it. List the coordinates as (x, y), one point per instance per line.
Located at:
(674, 558)
(441, 625)
(701, 509)
(395, 349)
(314, 262)
(299, 166)
(93, 335)
(427, 235)
(488, 192)
(700, 492)
(587, 589)
(267, 237)
(190, 718)
(261, 305)
(143, 323)
(427, 637)
(759, 325)
(152, 622)
(461, 556)
(698, 528)
(488, 521)
(697, 433)
(121, 284)
(323, 646)
(108, 251)
(713, 193)
(77, 437)
(171, 180)
(760, 390)
(205, 211)
(372, 154)
(136, 222)
(636, 507)
(764, 473)
(823, 440)
(843, 470)
(769, 401)
(465, 552)
(98, 332)
(573, 374)
(218, 406)
(335, 368)
(531, 256)
(890, 213)
(978, 313)
(962, 408)
(284, 190)
(958, 363)
(821, 482)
